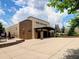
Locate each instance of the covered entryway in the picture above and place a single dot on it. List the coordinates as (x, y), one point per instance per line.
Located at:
(44, 32)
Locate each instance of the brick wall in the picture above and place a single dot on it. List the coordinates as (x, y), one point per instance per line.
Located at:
(25, 29)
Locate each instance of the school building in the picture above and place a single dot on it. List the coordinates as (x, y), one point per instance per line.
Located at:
(31, 28)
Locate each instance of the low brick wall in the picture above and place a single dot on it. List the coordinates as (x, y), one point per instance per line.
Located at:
(11, 43)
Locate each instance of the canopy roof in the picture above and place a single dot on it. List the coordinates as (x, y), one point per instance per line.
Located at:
(47, 28)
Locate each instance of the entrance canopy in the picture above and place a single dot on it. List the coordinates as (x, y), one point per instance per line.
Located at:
(44, 28)
(44, 32)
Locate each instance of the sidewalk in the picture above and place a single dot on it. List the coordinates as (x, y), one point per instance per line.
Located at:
(52, 48)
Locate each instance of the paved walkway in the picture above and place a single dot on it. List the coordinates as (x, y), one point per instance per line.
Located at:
(52, 48)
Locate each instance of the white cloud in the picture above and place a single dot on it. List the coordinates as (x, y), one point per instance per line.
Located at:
(12, 9)
(4, 22)
(2, 12)
(38, 4)
(19, 15)
(21, 2)
(30, 10)
(24, 12)
(54, 17)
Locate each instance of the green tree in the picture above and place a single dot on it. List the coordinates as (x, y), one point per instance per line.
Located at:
(2, 29)
(63, 29)
(57, 28)
(72, 6)
(73, 24)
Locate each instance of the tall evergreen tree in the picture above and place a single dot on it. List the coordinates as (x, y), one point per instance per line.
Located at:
(2, 29)
(57, 28)
(63, 29)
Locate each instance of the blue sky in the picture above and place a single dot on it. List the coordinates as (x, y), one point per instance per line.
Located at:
(14, 11)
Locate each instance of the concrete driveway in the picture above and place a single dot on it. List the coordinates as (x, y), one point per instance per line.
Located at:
(50, 48)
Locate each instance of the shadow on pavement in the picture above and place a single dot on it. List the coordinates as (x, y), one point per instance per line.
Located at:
(72, 54)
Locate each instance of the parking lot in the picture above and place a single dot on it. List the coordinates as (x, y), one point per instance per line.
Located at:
(50, 48)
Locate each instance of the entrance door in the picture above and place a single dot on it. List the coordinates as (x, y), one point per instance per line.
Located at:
(38, 34)
(45, 34)
(48, 34)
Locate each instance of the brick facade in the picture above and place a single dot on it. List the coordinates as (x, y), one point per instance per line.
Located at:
(26, 29)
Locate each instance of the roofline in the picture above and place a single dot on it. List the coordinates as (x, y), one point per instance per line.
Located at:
(28, 20)
(24, 20)
(37, 19)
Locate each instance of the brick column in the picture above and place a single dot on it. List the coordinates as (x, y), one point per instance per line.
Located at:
(41, 35)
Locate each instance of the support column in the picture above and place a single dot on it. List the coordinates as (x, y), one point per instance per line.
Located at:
(41, 34)
(47, 34)
(51, 34)
(33, 30)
